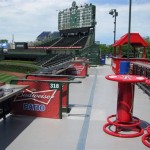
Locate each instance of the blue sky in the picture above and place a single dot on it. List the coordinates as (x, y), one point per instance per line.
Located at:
(124, 2)
(26, 19)
(109, 1)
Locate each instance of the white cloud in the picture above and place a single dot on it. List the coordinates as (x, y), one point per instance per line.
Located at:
(139, 21)
(26, 19)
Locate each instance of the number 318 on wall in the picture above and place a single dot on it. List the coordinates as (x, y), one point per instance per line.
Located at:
(54, 85)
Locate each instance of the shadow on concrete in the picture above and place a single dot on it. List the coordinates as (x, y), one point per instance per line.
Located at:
(11, 128)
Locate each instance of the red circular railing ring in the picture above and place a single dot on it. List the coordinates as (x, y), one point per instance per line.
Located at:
(117, 134)
(130, 124)
(148, 129)
(146, 140)
(147, 81)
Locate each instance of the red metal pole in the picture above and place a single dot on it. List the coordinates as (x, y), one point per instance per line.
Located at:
(125, 102)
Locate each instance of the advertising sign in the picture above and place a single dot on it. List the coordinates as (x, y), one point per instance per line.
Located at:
(40, 99)
(65, 87)
(78, 69)
(4, 45)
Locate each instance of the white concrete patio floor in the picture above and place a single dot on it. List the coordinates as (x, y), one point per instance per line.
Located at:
(91, 103)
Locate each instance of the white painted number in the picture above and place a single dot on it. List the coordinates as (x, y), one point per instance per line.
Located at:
(54, 86)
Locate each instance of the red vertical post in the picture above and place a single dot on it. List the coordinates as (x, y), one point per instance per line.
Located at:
(144, 53)
(119, 52)
(125, 102)
(114, 51)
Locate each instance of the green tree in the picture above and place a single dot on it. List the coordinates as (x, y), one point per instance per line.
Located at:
(147, 39)
(105, 49)
(3, 41)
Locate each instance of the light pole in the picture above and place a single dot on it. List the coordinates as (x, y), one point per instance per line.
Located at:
(129, 28)
(114, 13)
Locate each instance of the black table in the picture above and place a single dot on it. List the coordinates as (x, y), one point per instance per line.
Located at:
(10, 91)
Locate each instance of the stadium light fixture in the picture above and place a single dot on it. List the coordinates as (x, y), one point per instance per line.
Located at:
(114, 13)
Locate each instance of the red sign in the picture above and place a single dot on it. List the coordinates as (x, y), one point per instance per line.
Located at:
(65, 89)
(41, 99)
(78, 69)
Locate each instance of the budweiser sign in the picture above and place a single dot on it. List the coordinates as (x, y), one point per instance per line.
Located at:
(43, 97)
(79, 68)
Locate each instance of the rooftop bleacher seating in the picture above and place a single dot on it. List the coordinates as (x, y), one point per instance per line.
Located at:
(45, 59)
(57, 60)
(49, 43)
(67, 41)
(81, 41)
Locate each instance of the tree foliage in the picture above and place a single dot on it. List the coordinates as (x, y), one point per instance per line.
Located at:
(3, 41)
(147, 39)
(105, 49)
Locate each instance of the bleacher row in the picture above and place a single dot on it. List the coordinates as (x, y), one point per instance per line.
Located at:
(54, 60)
(55, 64)
(66, 41)
(57, 60)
